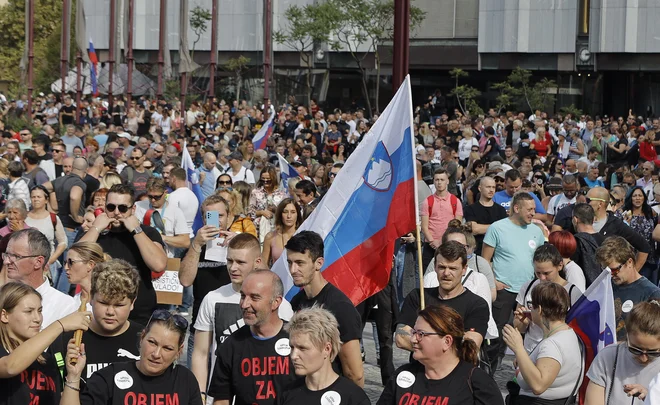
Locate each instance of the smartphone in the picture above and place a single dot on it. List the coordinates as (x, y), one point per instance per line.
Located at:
(212, 219)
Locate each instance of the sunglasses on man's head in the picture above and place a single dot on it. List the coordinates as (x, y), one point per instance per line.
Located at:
(165, 315)
(123, 208)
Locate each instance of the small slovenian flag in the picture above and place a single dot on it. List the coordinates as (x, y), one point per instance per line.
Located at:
(92, 68)
(371, 203)
(192, 181)
(286, 171)
(259, 140)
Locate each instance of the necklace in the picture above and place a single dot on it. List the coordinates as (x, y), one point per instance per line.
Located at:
(552, 331)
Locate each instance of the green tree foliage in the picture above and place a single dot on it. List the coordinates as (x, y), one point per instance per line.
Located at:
(306, 26)
(365, 25)
(47, 28)
(571, 109)
(465, 95)
(238, 67)
(199, 18)
(518, 89)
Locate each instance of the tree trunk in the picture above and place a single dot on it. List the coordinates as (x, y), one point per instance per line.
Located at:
(377, 82)
(365, 91)
(309, 81)
(239, 87)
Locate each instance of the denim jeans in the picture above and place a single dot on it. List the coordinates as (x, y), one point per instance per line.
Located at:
(400, 269)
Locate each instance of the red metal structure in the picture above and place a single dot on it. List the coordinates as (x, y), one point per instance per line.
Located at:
(30, 67)
(111, 59)
(64, 49)
(401, 50)
(268, 23)
(78, 84)
(214, 48)
(161, 46)
(129, 52)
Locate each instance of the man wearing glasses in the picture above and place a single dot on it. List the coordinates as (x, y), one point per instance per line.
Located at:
(135, 174)
(628, 286)
(26, 259)
(168, 220)
(120, 234)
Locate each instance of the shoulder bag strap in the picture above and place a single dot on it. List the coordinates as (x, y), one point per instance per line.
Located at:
(577, 382)
(609, 392)
(469, 273)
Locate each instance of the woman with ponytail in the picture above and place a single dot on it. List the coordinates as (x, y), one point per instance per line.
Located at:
(445, 371)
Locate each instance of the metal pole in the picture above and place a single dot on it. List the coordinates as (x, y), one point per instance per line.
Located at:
(129, 54)
(401, 42)
(30, 71)
(161, 46)
(214, 48)
(78, 84)
(64, 49)
(111, 59)
(182, 94)
(267, 50)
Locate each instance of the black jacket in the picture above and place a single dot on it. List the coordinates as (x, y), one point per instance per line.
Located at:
(616, 227)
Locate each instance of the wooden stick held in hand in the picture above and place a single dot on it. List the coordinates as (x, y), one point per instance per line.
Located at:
(77, 335)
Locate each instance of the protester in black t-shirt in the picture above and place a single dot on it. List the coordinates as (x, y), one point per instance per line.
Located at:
(314, 341)
(450, 267)
(111, 337)
(445, 371)
(484, 212)
(120, 234)
(305, 257)
(153, 379)
(29, 366)
(253, 364)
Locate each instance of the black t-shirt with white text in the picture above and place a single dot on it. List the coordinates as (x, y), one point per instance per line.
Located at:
(210, 276)
(123, 383)
(343, 391)
(464, 385)
(484, 216)
(335, 301)
(39, 384)
(101, 351)
(471, 307)
(122, 245)
(253, 370)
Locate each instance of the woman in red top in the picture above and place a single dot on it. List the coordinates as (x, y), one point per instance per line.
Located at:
(541, 145)
(646, 148)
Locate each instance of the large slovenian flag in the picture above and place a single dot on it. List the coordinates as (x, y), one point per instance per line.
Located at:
(192, 181)
(259, 140)
(286, 171)
(371, 203)
(592, 318)
(93, 68)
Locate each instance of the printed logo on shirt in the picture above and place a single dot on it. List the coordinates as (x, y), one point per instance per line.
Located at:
(123, 381)
(269, 366)
(405, 379)
(282, 347)
(126, 353)
(37, 382)
(331, 398)
(532, 244)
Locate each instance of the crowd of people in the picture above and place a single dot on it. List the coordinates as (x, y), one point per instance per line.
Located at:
(519, 216)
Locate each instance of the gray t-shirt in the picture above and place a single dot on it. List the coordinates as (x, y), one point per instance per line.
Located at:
(564, 347)
(628, 371)
(480, 265)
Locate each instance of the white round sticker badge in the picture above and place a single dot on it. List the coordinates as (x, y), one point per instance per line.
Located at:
(331, 398)
(282, 347)
(532, 244)
(405, 379)
(627, 306)
(123, 381)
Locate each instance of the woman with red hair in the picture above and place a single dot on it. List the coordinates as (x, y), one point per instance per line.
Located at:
(565, 242)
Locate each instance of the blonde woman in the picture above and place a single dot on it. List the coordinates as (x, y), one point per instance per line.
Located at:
(110, 179)
(80, 261)
(465, 146)
(27, 363)
(240, 223)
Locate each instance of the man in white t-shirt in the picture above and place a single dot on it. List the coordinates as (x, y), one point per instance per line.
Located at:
(158, 212)
(571, 186)
(220, 314)
(26, 259)
(182, 196)
(237, 171)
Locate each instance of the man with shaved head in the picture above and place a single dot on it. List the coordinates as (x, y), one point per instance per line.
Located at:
(609, 225)
(208, 174)
(480, 215)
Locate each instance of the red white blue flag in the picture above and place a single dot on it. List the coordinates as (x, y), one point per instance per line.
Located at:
(592, 317)
(93, 72)
(259, 140)
(371, 203)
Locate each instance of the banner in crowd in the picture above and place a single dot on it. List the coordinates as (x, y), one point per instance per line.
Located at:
(371, 203)
(593, 319)
(192, 181)
(93, 73)
(260, 139)
(286, 171)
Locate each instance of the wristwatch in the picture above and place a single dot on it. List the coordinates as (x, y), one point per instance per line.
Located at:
(136, 231)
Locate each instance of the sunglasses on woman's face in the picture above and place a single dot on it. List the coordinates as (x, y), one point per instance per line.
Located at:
(221, 182)
(653, 354)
